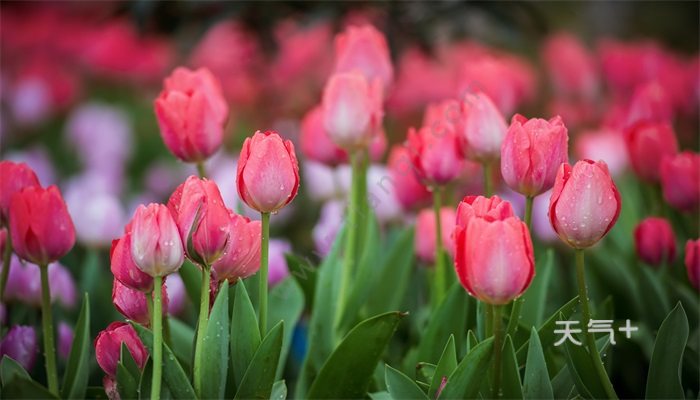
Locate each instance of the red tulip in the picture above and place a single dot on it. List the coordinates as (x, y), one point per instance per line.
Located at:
(41, 228)
(425, 233)
(435, 155)
(108, 347)
(572, 68)
(651, 104)
(494, 257)
(692, 261)
(13, 178)
(655, 241)
(156, 247)
(532, 152)
(680, 180)
(123, 266)
(409, 191)
(585, 203)
(133, 305)
(364, 49)
(202, 219)
(647, 144)
(352, 109)
(191, 113)
(241, 257)
(482, 129)
(268, 172)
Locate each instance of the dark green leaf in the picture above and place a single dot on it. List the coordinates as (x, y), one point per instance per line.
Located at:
(425, 372)
(215, 348)
(380, 396)
(465, 381)
(510, 373)
(402, 387)
(472, 341)
(304, 273)
(537, 384)
(259, 378)
(359, 352)
(546, 331)
(445, 367)
(146, 381)
(245, 334)
(286, 304)
(128, 374)
(664, 378)
(653, 299)
(192, 278)
(77, 372)
(181, 339)
(23, 388)
(535, 298)
(587, 381)
(397, 269)
(9, 369)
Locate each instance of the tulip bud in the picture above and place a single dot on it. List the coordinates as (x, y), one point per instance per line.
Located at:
(123, 266)
(156, 248)
(680, 180)
(647, 144)
(202, 219)
(65, 340)
(108, 347)
(268, 172)
(278, 269)
(20, 344)
(425, 233)
(316, 144)
(532, 152)
(494, 258)
(13, 178)
(482, 129)
(408, 189)
(585, 203)
(352, 110)
(133, 304)
(241, 257)
(41, 228)
(655, 241)
(692, 261)
(436, 157)
(364, 49)
(191, 113)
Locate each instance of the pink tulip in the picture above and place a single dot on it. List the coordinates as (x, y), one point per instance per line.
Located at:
(108, 347)
(585, 203)
(20, 344)
(680, 180)
(41, 228)
(532, 152)
(692, 261)
(494, 258)
(156, 247)
(133, 304)
(409, 191)
(647, 144)
(13, 178)
(482, 129)
(241, 258)
(123, 266)
(191, 113)
(352, 110)
(649, 104)
(424, 238)
(603, 144)
(268, 172)
(571, 68)
(654, 241)
(364, 49)
(436, 157)
(316, 145)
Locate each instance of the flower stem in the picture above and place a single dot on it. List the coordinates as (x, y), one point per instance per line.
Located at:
(157, 326)
(201, 170)
(528, 211)
(585, 317)
(488, 320)
(201, 328)
(440, 272)
(47, 325)
(488, 189)
(264, 244)
(497, 351)
(6, 257)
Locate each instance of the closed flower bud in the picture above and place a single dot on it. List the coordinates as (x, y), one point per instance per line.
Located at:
(692, 261)
(482, 129)
(202, 219)
(494, 259)
(191, 113)
(123, 266)
(424, 237)
(435, 155)
(41, 228)
(647, 145)
(156, 248)
(409, 191)
(20, 344)
(655, 241)
(532, 152)
(364, 49)
(352, 110)
(268, 172)
(108, 347)
(241, 257)
(585, 203)
(680, 180)
(13, 178)
(133, 304)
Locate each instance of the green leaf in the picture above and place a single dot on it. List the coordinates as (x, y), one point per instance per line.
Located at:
(21, 387)
(465, 381)
(128, 374)
(245, 334)
(192, 278)
(535, 298)
(215, 348)
(279, 391)
(259, 378)
(75, 378)
(286, 304)
(304, 273)
(9, 369)
(472, 341)
(383, 395)
(348, 371)
(664, 378)
(402, 387)
(537, 384)
(173, 374)
(445, 367)
(583, 371)
(511, 385)
(425, 372)
(181, 339)
(546, 331)
(397, 269)
(146, 381)
(654, 300)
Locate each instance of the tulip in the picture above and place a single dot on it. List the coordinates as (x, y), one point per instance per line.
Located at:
(436, 157)
(108, 347)
(382, 197)
(133, 304)
(191, 113)
(585, 203)
(65, 340)
(241, 258)
(409, 191)
(328, 225)
(680, 180)
(176, 293)
(97, 215)
(316, 144)
(41, 228)
(123, 266)
(572, 68)
(268, 173)
(482, 128)
(111, 389)
(24, 284)
(364, 49)
(352, 110)
(650, 103)
(603, 145)
(278, 264)
(647, 144)
(13, 178)
(425, 233)
(202, 219)
(655, 241)
(20, 344)
(490, 208)
(692, 261)
(532, 152)
(156, 248)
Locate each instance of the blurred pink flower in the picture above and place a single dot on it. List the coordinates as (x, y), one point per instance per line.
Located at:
(571, 68)
(603, 144)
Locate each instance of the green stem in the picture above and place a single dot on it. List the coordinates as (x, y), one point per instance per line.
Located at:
(265, 240)
(440, 272)
(47, 325)
(201, 170)
(488, 320)
(585, 317)
(157, 326)
(488, 189)
(201, 328)
(514, 316)
(6, 258)
(497, 351)
(528, 211)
